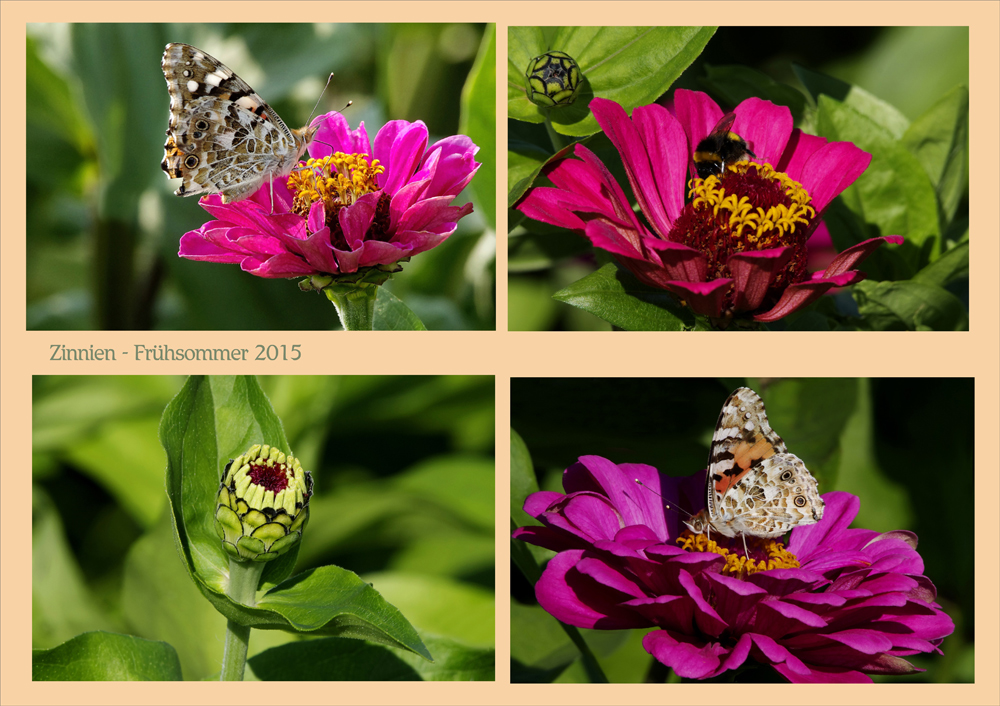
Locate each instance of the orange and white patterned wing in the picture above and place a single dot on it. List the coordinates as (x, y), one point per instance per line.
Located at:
(754, 486)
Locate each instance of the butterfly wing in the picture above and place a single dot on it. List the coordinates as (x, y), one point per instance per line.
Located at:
(222, 137)
(754, 485)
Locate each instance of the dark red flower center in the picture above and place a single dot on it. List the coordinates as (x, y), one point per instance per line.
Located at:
(749, 207)
(271, 477)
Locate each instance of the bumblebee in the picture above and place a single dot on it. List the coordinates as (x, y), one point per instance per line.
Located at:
(720, 148)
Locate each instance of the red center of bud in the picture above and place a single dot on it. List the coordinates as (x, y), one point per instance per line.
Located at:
(273, 478)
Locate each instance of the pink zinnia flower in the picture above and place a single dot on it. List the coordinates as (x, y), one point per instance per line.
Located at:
(351, 207)
(848, 602)
(737, 248)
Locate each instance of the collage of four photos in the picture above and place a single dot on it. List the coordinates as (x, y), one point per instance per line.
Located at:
(687, 348)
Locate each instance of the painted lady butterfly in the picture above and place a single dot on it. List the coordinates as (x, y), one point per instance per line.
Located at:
(222, 137)
(754, 486)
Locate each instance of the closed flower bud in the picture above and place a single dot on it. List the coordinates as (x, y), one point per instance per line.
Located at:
(263, 504)
(552, 79)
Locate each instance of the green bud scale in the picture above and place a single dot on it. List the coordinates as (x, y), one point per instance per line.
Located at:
(263, 504)
(552, 79)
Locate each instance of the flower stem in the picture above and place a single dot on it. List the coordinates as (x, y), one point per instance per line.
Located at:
(558, 141)
(355, 304)
(243, 579)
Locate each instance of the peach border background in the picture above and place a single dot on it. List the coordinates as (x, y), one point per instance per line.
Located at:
(505, 355)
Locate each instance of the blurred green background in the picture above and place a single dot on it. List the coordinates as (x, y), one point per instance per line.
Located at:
(903, 446)
(404, 497)
(908, 68)
(103, 225)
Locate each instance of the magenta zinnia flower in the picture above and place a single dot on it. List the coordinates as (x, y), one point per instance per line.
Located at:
(849, 602)
(352, 207)
(738, 246)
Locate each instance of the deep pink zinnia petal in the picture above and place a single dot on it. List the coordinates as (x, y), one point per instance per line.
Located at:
(801, 146)
(839, 511)
(823, 676)
(194, 246)
(705, 298)
(317, 251)
(753, 273)
(765, 126)
(553, 206)
(356, 219)
(454, 165)
(615, 239)
(831, 169)
(797, 296)
(399, 147)
(855, 254)
(281, 266)
(428, 214)
(697, 113)
(576, 599)
(680, 262)
(777, 654)
(606, 576)
(651, 145)
(335, 135)
(687, 659)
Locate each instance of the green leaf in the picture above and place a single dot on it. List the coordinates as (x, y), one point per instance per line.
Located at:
(524, 162)
(523, 483)
(210, 421)
(336, 602)
(950, 267)
(530, 306)
(894, 194)
(106, 656)
(940, 141)
(441, 606)
(632, 66)
(62, 605)
(56, 137)
(885, 504)
(478, 121)
(909, 306)
(337, 659)
(522, 480)
(181, 617)
(464, 484)
(883, 114)
(125, 458)
(391, 314)
(528, 251)
(733, 84)
(614, 295)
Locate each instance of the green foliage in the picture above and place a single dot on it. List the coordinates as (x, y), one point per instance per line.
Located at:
(105, 228)
(415, 519)
(630, 65)
(916, 185)
(106, 656)
(866, 437)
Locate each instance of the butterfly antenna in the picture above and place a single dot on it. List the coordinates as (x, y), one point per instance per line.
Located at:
(313, 111)
(665, 503)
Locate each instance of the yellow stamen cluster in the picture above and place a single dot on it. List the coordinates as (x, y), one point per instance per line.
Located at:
(759, 227)
(777, 557)
(337, 180)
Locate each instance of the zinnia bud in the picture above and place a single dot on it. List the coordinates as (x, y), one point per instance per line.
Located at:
(552, 79)
(263, 504)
